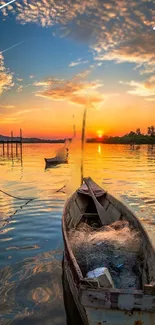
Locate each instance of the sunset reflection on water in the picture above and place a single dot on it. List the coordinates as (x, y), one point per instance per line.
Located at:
(31, 242)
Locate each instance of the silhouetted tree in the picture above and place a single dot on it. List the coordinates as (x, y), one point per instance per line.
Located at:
(138, 132)
(151, 130)
(131, 134)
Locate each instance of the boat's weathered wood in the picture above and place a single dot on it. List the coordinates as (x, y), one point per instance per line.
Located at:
(103, 200)
(77, 274)
(110, 306)
(74, 290)
(113, 212)
(55, 161)
(149, 289)
(117, 299)
(96, 189)
(119, 317)
(81, 202)
(76, 207)
(103, 215)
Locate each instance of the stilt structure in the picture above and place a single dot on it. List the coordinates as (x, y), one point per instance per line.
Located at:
(12, 144)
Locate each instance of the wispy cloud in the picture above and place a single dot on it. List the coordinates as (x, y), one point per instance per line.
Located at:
(19, 79)
(10, 120)
(139, 51)
(78, 62)
(7, 106)
(117, 31)
(120, 31)
(83, 74)
(74, 91)
(31, 76)
(144, 89)
(48, 82)
(150, 99)
(19, 88)
(6, 77)
(22, 112)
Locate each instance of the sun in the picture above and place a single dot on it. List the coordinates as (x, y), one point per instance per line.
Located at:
(100, 133)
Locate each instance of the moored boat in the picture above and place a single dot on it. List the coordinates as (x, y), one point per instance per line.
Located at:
(59, 159)
(55, 161)
(120, 302)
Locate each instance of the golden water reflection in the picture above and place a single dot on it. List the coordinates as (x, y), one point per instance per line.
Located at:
(31, 241)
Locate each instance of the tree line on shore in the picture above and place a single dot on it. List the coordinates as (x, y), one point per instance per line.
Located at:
(133, 137)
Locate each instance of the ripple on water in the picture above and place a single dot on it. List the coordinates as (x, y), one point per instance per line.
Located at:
(30, 236)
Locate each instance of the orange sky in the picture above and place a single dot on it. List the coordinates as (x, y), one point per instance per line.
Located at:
(51, 69)
(56, 120)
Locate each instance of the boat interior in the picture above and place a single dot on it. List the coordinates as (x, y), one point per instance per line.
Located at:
(82, 212)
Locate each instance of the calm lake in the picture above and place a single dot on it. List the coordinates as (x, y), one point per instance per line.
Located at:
(31, 242)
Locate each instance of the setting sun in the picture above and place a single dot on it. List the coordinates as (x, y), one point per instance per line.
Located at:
(100, 133)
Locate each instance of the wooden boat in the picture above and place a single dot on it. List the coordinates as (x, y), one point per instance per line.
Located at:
(99, 305)
(55, 161)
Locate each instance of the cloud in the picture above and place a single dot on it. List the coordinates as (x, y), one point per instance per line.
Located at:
(31, 76)
(48, 82)
(19, 88)
(144, 89)
(139, 50)
(19, 79)
(18, 113)
(74, 91)
(12, 120)
(83, 74)
(147, 69)
(73, 64)
(7, 106)
(119, 31)
(6, 77)
(150, 99)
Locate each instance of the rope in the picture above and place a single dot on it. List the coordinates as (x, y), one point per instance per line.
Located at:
(60, 189)
(7, 220)
(16, 197)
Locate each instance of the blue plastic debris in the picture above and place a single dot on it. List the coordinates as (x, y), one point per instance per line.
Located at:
(120, 266)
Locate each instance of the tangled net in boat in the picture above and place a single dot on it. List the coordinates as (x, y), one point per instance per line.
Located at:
(116, 247)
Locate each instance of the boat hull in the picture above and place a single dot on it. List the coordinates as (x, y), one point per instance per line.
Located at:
(99, 315)
(72, 311)
(68, 278)
(97, 305)
(54, 161)
(117, 317)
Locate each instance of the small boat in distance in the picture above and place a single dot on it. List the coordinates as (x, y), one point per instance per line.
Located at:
(125, 294)
(57, 160)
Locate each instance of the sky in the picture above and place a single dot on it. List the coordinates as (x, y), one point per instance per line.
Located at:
(59, 57)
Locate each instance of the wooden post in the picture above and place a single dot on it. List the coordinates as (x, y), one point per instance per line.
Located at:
(21, 139)
(3, 149)
(8, 147)
(21, 142)
(16, 148)
(11, 143)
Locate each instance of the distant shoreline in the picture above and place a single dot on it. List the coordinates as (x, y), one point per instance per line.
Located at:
(131, 138)
(5, 139)
(121, 141)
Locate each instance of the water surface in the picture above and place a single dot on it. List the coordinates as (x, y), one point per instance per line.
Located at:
(31, 242)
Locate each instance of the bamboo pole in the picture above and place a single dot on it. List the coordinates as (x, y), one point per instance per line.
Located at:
(82, 143)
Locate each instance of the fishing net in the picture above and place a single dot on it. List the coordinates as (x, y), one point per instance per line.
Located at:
(116, 247)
